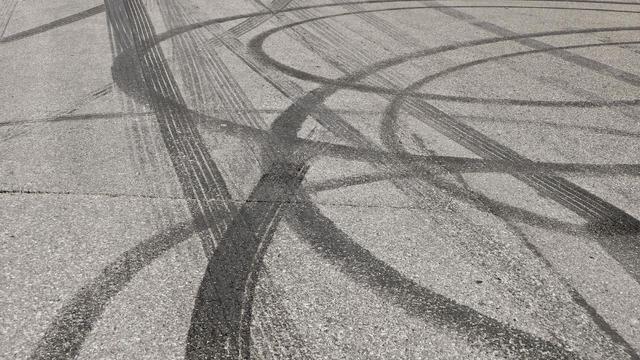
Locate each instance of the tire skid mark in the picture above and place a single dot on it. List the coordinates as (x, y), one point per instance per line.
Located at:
(144, 147)
(49, 26)
(128, 36)
(162, 92)
(382, 154)
(231, 96)
(252, 22)
(195, 350)
(585, 211)
(491, 145)
(200, 76)
(203, 339)
(6, 11)
(279, 128)
(218, 21)
(221, 317)
(325, 116)
(230, 306)
(392, 142)
(555, 125)
(79, 117)
(630, 112)
(390, 128)
(381, 90)
(565, 193)
(235, 46)
(424, 163)
(262, 225)
(376, 155)
(600, 68)
(318, 96)
(21, 128)
(383, 25)
(500, 209)
(410, 42)
(198, 175)
(363, 267)
(558, 189)
(361, 64)
(287, 87)
(64, 337)
(588, 206)
(202, 204)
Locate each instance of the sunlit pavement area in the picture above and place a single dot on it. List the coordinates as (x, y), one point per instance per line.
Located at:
(332, 179)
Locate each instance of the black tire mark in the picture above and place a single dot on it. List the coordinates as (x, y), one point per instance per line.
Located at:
(183, 140)
(555, 125)
(387, 28)
(252, 22)
(64, 337)
(512, 215)
(607, 217)
(363, 267)
(589, 206)
(229, 308)
(418, 111)
(547, 50)
(598, 67)
(209, 83)
(385, 90)
(203, 339)
(54, 24)
(21, 129)
(217, 21)
(170, 102)
(345, 151)
(502, 210)
(81, 117)
(282, 127)
(197, 173)
(145, 148)
(6, 11)
(221, 319)
(217, 319)
(323, 115)
(454, 164)
(607, 329)
(235, 103)
(166, 100)
(389, 129)
(299, 110)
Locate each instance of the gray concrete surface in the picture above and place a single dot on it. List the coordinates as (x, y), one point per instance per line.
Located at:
(319, 179)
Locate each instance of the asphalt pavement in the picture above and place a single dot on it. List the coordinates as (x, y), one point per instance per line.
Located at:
(320, 179)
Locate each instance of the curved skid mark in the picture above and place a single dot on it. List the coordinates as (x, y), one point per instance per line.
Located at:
(186, 28)
(605, 216)
(257, 46)
(222, 312)
(363, 267)
(221, 318)
(73, 323)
